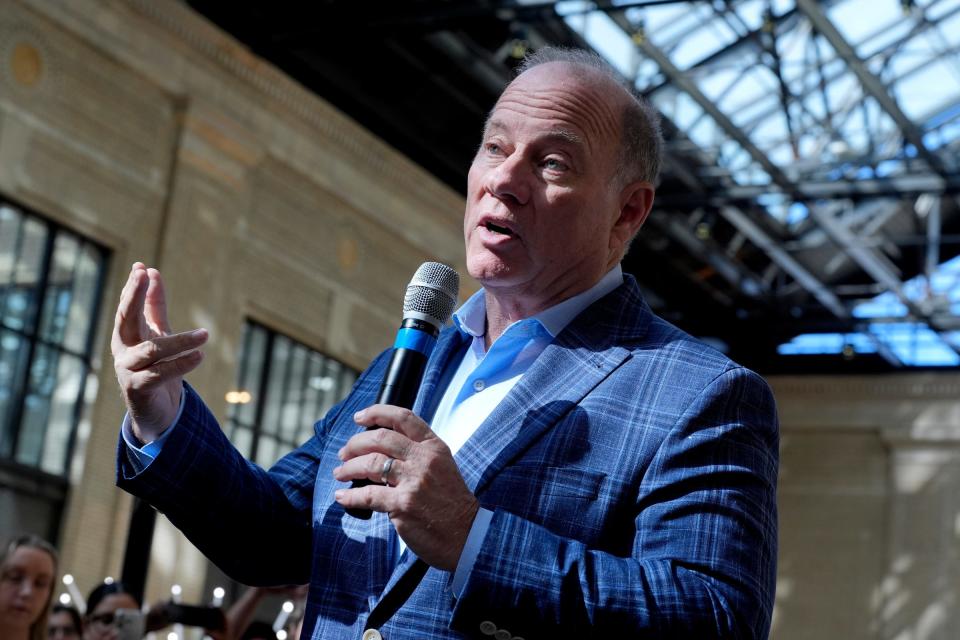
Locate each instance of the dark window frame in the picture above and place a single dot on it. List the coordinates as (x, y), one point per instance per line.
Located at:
(31, 333)
(256, 424)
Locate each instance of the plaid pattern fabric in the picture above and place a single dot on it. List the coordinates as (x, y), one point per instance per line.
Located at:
(632, 473)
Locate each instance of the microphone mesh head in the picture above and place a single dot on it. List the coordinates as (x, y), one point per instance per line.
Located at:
(432, 293)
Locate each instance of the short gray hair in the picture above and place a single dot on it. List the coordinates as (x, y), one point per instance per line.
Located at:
(641, 141)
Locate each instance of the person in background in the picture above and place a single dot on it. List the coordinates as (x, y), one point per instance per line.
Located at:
(102, 606)
(240, 615)
(65, 622)
(28, 568)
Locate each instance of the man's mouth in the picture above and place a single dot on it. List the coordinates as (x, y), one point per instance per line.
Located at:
(495, 228)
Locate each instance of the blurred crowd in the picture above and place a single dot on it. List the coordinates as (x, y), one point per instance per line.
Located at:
(29, 575)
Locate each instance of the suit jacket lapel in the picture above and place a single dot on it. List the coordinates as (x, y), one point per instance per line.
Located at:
(584, 353)
(449, 345)
(508, 430)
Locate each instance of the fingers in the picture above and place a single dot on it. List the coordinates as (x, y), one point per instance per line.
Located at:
(401, 420)
(373, 497)
(403, 436)
(163, 349)
(142, 311)
(427, 500)
(370, 467)
(365, 454)
(128, 323)
(155, 309)
(386, 441)
(160, 372)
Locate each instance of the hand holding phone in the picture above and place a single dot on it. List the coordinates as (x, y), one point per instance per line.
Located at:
(129, 623)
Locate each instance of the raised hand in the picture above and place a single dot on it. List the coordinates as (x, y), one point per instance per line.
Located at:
(149, 359)
(424, 494)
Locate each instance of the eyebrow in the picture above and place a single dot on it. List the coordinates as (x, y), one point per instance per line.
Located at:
(563, 135)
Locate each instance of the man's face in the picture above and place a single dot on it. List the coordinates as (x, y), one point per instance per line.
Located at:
(542, 199)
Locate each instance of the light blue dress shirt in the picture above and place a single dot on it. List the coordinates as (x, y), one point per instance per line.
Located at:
(485, 377)
(482, 380)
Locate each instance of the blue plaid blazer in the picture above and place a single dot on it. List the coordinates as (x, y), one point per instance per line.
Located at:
(632, 474)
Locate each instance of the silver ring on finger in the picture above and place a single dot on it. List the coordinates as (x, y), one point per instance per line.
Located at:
(385, 472)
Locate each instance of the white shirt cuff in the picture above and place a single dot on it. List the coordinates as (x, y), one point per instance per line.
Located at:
(471, 550)
(141, 457)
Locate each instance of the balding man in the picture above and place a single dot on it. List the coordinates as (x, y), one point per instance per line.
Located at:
(576, 464)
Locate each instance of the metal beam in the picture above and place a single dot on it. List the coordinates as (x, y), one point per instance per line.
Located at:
(871, 83)
(739, 219)
(688, 86)
(879, 271)
(911, 185)
(883, 349)
(929, 206)
(866, 257)
(796, 270)
(728, 50)
(733, 272)
(869, 260)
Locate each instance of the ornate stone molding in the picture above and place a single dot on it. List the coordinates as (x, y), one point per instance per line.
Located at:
(381, 159)
(909, 385)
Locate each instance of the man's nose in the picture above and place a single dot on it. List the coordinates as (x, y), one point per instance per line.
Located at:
(510, 180)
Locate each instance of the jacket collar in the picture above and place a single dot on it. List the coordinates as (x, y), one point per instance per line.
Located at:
(591, 347)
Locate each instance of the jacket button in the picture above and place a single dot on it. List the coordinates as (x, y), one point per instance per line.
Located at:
(487, 628)
(372, 634)
(502, 634)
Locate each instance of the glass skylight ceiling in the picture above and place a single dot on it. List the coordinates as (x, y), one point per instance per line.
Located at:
(800, 104)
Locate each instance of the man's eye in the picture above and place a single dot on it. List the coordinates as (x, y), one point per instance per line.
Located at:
(554, 165)
(492, 148)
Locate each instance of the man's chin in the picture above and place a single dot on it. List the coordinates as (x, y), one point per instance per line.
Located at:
(491, 273)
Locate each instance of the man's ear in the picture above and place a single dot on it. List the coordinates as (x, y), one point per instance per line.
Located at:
(636, 201)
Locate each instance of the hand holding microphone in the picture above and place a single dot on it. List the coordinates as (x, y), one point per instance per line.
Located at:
(427, 305)
(427, 500)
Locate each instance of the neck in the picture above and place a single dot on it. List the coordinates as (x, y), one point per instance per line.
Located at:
(505, 309)
(506, 305)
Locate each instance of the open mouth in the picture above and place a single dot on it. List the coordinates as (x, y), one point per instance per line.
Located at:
(495, 228)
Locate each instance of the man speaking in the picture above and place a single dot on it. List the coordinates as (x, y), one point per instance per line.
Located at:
(574, 465)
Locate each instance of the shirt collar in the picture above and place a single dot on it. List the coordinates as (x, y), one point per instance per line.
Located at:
(471, 317)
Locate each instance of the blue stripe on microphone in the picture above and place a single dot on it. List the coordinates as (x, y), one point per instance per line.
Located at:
(415, 340)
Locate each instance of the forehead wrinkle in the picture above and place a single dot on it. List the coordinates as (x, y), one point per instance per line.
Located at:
(591, 114)
(598, 115)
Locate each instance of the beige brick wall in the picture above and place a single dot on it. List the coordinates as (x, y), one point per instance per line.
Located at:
(869, 502)
(138, 124)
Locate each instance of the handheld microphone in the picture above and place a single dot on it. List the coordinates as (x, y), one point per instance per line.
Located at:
(427, 305)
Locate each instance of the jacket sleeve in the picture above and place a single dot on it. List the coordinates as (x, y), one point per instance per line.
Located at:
(255, 524)
(703, 556)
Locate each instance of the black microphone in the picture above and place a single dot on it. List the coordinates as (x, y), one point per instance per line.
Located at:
(427, 305)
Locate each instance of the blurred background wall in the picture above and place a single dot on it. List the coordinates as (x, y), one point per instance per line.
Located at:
(277, 222)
